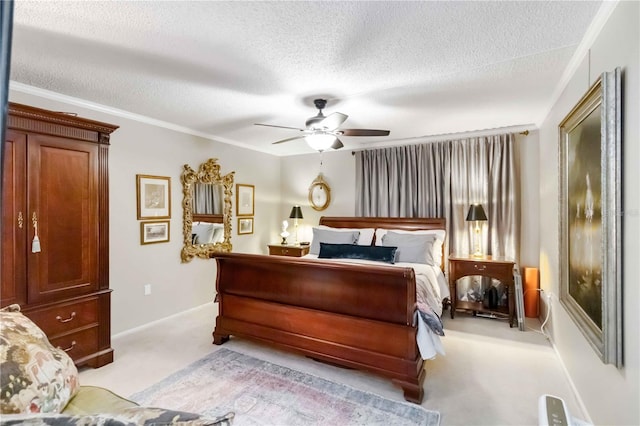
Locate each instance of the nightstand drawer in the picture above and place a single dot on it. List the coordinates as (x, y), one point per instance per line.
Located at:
(498, 270)
(293, 251)
(471, 268)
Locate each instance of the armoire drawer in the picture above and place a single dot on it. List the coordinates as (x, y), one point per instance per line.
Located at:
(79, 344)
(66, 317)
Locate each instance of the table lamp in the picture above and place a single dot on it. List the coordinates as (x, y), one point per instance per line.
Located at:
(296, 213)
(476, 214)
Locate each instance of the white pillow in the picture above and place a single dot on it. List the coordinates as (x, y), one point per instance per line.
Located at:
(204, 233)
(437, 251)
(437, 245)
(412, 248)
(332, 237)
(218, 233)
(366, 234)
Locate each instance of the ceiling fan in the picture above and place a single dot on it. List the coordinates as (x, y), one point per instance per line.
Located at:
(322, 132)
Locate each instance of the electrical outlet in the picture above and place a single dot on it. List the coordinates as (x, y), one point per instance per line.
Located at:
(547, 295)
(147, 289)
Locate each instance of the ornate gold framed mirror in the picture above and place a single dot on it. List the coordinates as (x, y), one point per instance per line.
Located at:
(206, 206)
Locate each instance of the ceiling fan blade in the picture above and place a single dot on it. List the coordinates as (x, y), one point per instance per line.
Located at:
(364, 132)
(280, 127)
(288, 139)
(332, 121)
(337, 144)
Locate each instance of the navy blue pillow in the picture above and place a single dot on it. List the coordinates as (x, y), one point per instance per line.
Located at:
(354, 251)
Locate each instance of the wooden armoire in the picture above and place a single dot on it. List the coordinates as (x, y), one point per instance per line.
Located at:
(55, 182)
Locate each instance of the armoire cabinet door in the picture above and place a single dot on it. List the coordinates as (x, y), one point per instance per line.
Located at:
(14, 222)
(63, 207)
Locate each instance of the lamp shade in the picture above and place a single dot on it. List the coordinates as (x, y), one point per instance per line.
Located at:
(296, 213)
(476, 212)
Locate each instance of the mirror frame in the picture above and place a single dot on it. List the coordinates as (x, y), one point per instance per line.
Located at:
(208, 172)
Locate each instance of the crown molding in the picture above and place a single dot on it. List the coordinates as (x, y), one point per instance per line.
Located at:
(47, 94)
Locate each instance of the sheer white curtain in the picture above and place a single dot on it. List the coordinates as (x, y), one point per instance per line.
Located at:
(442, 179)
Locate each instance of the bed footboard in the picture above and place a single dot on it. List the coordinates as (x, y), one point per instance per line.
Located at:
(357, 316)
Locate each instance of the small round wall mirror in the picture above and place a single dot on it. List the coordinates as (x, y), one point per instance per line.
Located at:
(319, 194)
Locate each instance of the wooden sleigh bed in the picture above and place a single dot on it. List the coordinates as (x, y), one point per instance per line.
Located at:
(356, 316)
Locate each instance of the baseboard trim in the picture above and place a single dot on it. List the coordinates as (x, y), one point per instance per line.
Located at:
(585, 413)
(158, 321)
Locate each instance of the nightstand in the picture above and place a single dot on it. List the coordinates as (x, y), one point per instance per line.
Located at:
(288, 250)
(486, 266)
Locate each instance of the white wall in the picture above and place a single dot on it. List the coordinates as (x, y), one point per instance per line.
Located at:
(138, 148)
(610, 395)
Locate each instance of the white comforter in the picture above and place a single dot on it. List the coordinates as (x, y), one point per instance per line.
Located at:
(431, 289)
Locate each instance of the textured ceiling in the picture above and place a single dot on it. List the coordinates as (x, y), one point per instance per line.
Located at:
(414, 68)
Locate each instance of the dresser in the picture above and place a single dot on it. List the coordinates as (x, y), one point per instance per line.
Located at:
(55, 228)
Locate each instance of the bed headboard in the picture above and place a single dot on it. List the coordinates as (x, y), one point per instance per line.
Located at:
(404, 223)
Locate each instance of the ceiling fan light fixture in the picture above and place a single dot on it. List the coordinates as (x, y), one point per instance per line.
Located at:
(320, 141)
(323, 132)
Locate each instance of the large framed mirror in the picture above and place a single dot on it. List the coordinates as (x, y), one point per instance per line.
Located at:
(206, 206)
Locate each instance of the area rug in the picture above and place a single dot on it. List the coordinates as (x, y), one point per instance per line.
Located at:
(262, 393)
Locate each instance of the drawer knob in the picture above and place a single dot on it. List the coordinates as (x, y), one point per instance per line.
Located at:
(480, 267)
(73, 315)
(73, 344)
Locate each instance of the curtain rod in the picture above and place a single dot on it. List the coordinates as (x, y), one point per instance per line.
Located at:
(468, 134)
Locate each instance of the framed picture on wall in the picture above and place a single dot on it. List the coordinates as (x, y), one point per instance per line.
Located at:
(244, 199)
(245, 225)
(154, 232)
(590, 216)
(153, 197)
